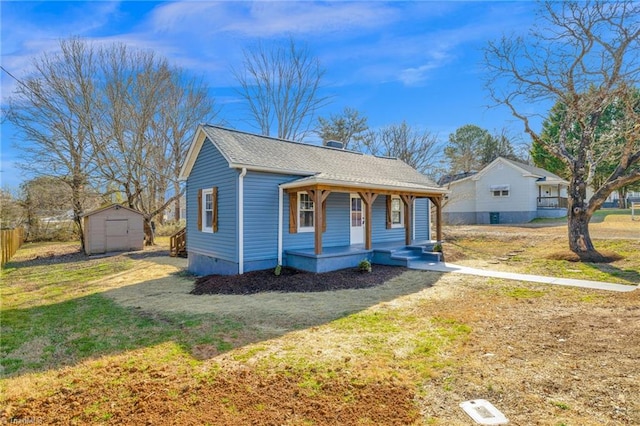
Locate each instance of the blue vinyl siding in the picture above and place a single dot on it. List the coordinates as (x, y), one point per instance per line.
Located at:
(422, 219)
(337, 233)
(211, 169)
(261, 216)
(338, 220)
(379, 231)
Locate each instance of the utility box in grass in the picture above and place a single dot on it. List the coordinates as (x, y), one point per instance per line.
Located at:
(113, 228)
(494, 218)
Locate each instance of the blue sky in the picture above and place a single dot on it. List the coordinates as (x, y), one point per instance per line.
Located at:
(392, 61)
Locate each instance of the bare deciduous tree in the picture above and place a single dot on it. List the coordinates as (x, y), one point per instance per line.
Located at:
(419, 149)
(53, 109)
(282, 87)
(186, 105)
(112, 117)
(11, 213)
(585, 56)
(151, 111)
(134, 85)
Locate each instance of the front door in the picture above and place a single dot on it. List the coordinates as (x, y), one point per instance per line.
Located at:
(357, 220)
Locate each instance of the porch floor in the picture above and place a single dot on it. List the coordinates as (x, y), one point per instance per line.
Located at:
(357, 249)
(395, 253)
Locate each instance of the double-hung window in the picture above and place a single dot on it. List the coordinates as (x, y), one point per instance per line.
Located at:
(397, 210)
(207, 209)
(305, 212)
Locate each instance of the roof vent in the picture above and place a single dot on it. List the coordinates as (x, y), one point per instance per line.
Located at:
(334, 144)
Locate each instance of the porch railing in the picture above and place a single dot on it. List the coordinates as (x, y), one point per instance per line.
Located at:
(178, 243)
(552, 202)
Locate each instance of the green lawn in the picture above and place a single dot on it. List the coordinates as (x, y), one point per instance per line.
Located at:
(53, 314)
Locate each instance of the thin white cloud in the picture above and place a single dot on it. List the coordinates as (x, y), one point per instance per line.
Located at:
(25, 37)
(357, 41)
(414, 58)
(271, 19)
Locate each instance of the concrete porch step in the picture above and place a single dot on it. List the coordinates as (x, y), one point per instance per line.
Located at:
(403, 256)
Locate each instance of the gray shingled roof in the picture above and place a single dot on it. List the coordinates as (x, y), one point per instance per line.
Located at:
(248, 150)
(535, 170)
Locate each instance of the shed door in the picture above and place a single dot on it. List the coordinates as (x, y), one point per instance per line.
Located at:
(117, 234)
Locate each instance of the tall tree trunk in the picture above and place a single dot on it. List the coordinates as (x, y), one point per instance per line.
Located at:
(578, 216)
(149, 233)
(622, 198)
(176, 212)
(579, 238)
(78, 210)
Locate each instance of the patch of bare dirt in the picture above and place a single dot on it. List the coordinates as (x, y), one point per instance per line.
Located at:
(550, 357)
(292, 280)
(47, 255)
(238, 397)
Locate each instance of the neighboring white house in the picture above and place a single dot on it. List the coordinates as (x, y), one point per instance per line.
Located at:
(170, 211)
(613, 198)
(505, 191)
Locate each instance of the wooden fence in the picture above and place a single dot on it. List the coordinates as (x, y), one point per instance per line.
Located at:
(10, 240)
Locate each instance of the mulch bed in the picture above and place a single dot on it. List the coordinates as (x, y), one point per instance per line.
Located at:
(295, 281)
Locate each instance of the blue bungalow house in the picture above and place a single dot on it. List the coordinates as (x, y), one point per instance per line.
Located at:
(254, 202)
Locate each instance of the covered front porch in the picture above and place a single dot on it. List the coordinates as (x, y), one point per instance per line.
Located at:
(397, 252)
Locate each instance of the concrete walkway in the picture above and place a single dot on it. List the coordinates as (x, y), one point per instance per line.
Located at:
(450, 267)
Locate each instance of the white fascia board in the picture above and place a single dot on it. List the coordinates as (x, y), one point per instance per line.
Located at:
(192, 154)
(360, 185)
(484, 171)
(254, 168)
(551, 182)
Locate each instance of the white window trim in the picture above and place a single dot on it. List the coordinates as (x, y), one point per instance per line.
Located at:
(207, 226)
(401, 224)
(300, 227)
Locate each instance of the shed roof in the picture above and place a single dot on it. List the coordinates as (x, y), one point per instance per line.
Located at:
(274, 155)
(111, 206)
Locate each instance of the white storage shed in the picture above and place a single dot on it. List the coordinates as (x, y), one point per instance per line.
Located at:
(113, 228)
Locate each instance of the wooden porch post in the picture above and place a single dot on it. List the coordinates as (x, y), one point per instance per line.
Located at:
(408, 210)
(368, 198)
(437, 201)
(318, 196)
(439, 219)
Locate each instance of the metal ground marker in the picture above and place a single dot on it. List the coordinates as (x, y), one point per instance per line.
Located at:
(483, 412)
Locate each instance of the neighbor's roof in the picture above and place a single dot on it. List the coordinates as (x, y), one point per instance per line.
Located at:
(542, 175)
(536, 171)
(319, 164)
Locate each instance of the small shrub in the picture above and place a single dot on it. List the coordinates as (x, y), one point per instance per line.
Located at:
(437, 247)
(364, 266)
(277, 271)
